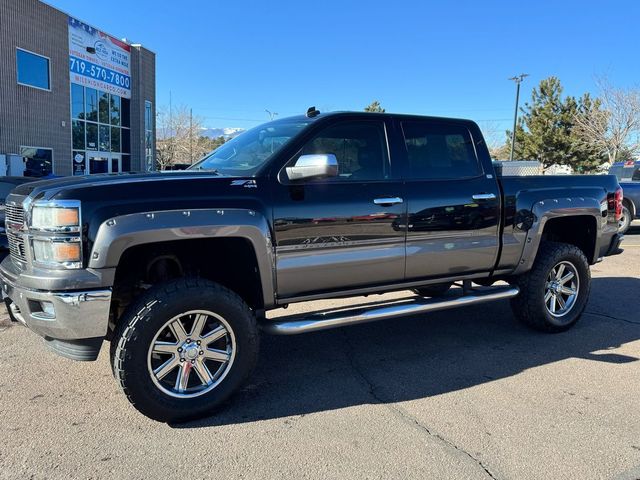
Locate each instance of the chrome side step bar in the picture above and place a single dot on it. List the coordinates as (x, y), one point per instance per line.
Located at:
(311, 322)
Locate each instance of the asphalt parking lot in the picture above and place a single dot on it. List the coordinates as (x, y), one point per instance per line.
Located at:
(467, 393)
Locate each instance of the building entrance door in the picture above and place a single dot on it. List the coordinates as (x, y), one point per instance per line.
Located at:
(104, 162)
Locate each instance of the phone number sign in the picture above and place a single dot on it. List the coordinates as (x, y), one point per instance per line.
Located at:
(98, 60)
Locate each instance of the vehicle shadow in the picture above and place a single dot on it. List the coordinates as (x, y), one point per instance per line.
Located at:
(417, 357)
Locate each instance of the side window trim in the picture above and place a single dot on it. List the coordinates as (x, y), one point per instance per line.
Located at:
(284, 179)
(430, 123)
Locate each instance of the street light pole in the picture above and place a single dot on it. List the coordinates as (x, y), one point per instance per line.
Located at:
(518, 79)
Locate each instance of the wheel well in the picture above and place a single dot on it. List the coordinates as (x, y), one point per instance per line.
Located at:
(230, 262)
(577, 230)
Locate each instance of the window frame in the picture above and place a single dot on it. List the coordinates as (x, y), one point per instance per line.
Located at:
(407, 170)
(48, 59)
(283, 178)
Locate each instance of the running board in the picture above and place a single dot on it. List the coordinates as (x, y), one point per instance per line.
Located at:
(312, 322)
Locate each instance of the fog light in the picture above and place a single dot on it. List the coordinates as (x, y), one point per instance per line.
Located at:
(47, 308)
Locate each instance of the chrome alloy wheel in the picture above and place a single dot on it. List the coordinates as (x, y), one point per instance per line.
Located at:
(561, 289)
(191, 354)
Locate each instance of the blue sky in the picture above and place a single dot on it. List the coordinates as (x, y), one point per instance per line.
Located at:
(231, 60)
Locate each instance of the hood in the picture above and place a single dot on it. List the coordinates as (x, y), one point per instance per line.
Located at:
(50, 189)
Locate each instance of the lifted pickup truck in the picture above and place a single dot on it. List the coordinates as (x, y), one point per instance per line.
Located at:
(177, 270)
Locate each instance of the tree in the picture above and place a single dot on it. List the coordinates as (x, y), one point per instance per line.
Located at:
(374, 107)
(546, 130)
(178, 134)
(494, 139)
(612, 123)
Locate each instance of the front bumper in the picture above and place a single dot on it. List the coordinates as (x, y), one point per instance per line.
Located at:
(69, 315)
(73, 323)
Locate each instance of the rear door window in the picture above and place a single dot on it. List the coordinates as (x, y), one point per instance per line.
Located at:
(439, 151)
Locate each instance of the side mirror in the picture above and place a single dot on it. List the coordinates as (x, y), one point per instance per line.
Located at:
(314, 166)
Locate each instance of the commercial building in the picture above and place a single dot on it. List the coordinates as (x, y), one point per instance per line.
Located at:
(73, 99)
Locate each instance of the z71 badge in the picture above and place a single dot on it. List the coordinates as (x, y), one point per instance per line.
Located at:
(244, 183)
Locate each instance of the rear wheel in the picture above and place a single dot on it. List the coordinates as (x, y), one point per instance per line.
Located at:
(184, 348)
(554, 293)
(433, 290)
(625, 220)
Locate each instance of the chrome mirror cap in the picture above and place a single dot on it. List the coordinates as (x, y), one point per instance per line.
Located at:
(317, 165)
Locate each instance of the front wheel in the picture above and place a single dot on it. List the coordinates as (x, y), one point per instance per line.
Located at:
(184, 348)
(554, 293)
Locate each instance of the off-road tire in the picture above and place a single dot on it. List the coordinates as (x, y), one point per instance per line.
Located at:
(141, 322)
(529, 306)
(436, 290)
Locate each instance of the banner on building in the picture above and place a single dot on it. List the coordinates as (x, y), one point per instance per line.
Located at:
(98, 60)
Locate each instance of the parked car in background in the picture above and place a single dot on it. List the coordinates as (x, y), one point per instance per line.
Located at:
(628, 174)
(6, 185)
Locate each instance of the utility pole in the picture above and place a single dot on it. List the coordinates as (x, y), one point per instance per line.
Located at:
(518, 79)
(171, 134)
(271, 114)
(191, 136)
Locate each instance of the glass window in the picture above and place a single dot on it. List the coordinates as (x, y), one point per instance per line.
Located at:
(147, 115)
(77, 128)
(126, 140)
(359, 147)
(92, 104)
(92, 136)
(126, 163)
(115, 165)
(115, 139)
(98, 164)
(115, 109)
(105, 138)
(439, 150)
(77, 101)
(33, 70)
(38, 161)
(246, 153)
(103, 107)
(636, 175)
(125, 108)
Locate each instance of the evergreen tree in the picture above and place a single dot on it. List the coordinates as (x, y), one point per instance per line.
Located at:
(545, 131)
(374, 107)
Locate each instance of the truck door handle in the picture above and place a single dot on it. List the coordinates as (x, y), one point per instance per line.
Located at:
(484, 196)
(386, 201)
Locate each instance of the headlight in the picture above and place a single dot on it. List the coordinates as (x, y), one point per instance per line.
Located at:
(56, 233)
(55, 219)
(61, 251)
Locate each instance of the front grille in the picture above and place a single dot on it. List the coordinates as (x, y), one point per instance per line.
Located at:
(14, 213)
(14, 222)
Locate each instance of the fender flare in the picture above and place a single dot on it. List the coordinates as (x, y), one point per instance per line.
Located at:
(117, 234)
(547, 209)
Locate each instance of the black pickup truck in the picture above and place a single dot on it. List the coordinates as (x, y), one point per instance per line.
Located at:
(177, 270)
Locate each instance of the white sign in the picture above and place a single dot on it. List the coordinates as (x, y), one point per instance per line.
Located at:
(98, 60)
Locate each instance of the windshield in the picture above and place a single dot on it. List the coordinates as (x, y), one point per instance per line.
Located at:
(246, 153)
